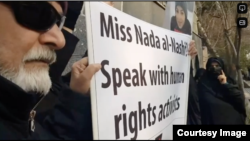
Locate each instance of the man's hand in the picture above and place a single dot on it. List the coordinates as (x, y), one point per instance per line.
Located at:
(192, 51)
(222, 78)
(81, 75)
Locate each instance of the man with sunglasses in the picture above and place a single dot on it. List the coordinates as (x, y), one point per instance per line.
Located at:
(30, 32)
(46, 105)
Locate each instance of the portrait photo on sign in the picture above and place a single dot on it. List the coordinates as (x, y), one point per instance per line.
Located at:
(179, 16)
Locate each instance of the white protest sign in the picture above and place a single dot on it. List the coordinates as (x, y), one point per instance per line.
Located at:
(141, 90)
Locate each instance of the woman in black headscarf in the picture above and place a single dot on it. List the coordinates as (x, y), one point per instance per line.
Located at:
(221, 101)
(180, 22)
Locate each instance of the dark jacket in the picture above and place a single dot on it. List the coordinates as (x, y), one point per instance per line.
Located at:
(46, 106)
(199, 73)
(220, 103)
(193, 117)
(67, 121)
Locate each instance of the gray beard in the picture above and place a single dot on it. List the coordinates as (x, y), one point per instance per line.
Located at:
(33, 79)
(36, 80)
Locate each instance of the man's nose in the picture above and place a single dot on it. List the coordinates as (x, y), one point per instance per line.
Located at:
(54, 38)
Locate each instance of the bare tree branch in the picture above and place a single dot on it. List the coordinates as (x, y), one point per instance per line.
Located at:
(232, 27)
(215, 16)
(209, 24)
(225, 24)
(205, 37)
(217, 40)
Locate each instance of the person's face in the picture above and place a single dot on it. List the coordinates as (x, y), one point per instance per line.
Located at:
(25, 55)
(180, 16)
(215, 65)
(215, 69)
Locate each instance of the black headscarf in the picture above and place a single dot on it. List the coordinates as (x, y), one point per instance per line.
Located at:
(183, 5)
(217, 60)
(211, 80)
(222, 65)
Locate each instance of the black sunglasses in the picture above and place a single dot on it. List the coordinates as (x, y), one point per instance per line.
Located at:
(38, 16)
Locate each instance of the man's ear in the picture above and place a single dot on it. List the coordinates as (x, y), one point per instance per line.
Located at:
(67, 29)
